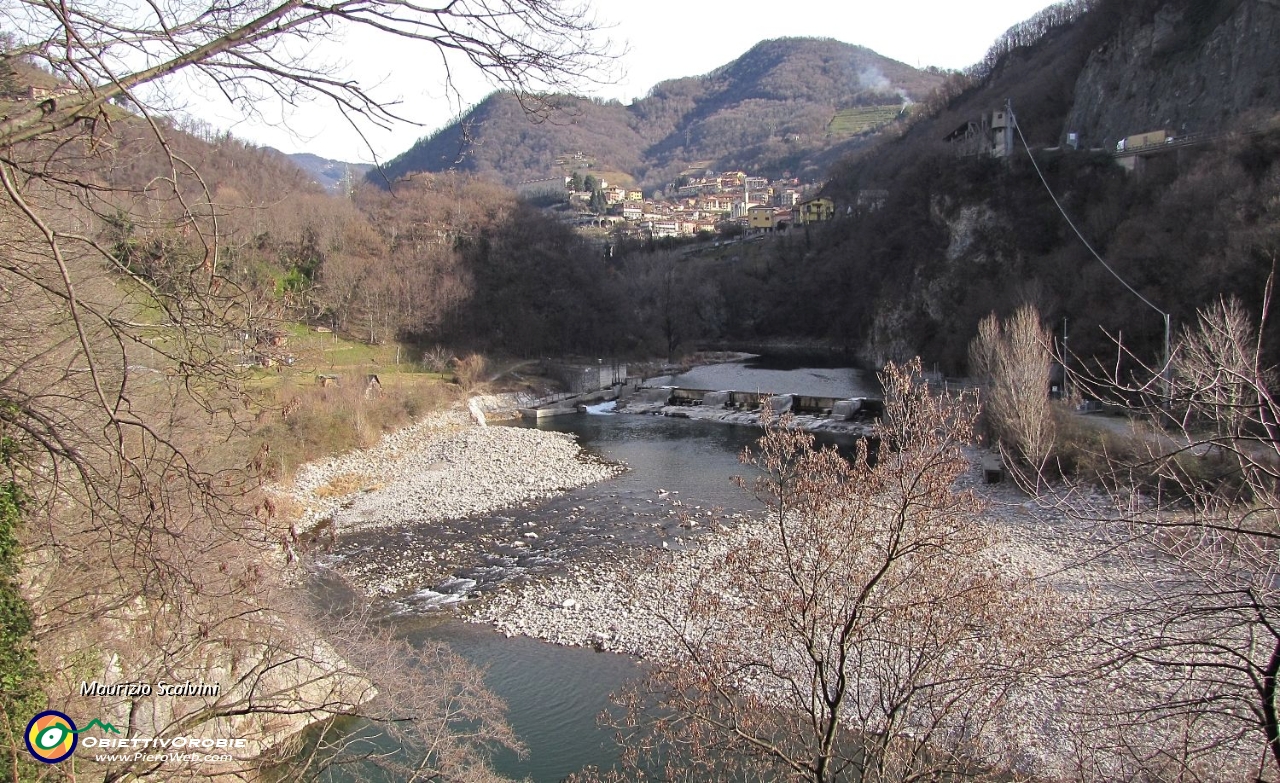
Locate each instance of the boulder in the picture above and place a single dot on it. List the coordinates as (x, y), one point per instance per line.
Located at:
(477, 413)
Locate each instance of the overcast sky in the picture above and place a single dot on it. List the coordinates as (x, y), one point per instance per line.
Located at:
(663, 39)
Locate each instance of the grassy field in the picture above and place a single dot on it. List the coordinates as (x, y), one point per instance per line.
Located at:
(324, 404)
(319, 353)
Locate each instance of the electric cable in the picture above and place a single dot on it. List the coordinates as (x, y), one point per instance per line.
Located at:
(1164, 372)
(1071, 223)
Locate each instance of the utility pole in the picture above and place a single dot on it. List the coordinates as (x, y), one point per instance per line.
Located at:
(1166, 372)
(1008, 128)
(1066, 393)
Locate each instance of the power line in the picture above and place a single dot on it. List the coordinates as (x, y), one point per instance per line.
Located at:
(1071, 223)
(1164, 372)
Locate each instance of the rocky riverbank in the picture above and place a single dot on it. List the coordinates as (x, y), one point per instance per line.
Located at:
(444, 467)
(631, 604)
(615, 605)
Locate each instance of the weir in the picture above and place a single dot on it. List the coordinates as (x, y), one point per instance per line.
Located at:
(563, 404)
(839, 407)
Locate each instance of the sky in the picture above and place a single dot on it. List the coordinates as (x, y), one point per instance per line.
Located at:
(658, 40)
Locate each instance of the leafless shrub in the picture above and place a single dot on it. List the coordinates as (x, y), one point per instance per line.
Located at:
(860, 632)
(432, 717)
(470, 371)
(436, 358)
(1013, 359)
(1191, 648)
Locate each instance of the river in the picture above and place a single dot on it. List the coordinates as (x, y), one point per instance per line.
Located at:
(553, 693)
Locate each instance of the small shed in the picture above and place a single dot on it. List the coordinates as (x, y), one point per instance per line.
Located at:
(326, 380)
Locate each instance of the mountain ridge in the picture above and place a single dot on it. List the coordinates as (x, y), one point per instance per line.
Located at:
(768, 111)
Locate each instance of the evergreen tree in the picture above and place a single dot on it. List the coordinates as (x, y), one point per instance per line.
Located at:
(20, 696)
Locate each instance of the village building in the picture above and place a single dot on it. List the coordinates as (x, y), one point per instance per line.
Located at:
(990, 134)
(816, 210)
(760, 218)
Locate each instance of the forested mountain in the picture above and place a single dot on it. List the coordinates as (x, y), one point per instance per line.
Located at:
(961, 236)
(957, 236)
(770, 111)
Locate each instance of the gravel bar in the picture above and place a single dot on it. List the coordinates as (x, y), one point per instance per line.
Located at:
(444, 467)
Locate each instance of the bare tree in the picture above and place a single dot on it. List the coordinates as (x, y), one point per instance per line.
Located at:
(432, 717)
(662, 294)
(862, 631)
(149, 552)
(249, 51)
(1190, 643)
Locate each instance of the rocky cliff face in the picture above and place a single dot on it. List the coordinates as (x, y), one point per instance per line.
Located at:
(1186, 67)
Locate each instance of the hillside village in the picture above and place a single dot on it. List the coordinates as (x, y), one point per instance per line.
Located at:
(700, 202)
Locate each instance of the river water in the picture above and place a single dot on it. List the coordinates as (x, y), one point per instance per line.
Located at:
(554, 694)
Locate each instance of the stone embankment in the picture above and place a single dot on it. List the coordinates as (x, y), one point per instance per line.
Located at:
(444, 467)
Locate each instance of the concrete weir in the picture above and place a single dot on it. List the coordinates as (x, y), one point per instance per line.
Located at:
(563, 405)
(832, 407)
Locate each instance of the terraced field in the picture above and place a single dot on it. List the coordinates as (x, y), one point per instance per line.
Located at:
(861, 119)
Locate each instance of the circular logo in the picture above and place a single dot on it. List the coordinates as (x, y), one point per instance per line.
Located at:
(51, 736)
